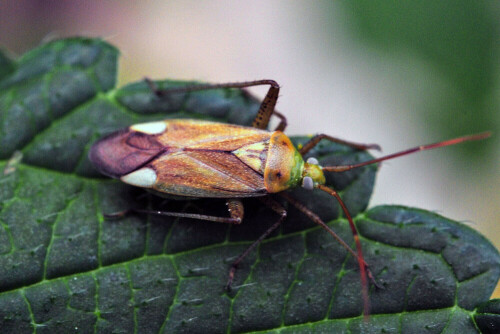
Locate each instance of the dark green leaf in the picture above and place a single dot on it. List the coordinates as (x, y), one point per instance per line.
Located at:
(64, 268)
(487, 316)
(6, 65)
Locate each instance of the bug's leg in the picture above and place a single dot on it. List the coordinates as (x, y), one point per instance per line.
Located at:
(315, 218)
(209, 86)
(317, 138)
(276, 207)
(448, 142)
(229, 220)
(283, 122)
(266, 107)
(236, 209)
(364, 270)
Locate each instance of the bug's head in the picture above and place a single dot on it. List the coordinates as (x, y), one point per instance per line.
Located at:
(312, 174)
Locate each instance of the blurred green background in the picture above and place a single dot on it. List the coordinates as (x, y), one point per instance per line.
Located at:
(398, 73)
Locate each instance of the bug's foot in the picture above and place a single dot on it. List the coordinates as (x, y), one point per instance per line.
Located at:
(377, 284)
(154, 88)
(372, 278)
(374, 282)
(374, 147)
(230, 279)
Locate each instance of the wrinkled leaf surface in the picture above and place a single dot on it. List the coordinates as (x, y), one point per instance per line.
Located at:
(64, 268)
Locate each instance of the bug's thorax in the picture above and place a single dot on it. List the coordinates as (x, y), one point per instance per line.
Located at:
(284, 165)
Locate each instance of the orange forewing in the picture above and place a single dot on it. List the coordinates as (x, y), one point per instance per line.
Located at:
(206, 174)
(194, 134)
(207, 159)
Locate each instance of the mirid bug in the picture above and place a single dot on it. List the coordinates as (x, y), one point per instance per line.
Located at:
(188, 159)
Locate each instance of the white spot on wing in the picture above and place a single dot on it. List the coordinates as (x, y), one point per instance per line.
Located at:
(144, 177)
(151, 128)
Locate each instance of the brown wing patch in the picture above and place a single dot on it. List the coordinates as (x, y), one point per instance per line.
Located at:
(206, 174)
(123, 152)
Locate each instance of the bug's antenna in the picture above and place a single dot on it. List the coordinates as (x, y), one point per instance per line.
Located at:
(361, 260)
(365, 271)
(409, 151)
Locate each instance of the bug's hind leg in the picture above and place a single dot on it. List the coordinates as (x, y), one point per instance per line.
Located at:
(267, 106)
(266, 109)
(316, 139)
(276, 207)
(283, 122)
(235, 208)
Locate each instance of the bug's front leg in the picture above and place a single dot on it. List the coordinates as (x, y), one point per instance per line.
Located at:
(276, 207)
(283, 122)
(316, 139)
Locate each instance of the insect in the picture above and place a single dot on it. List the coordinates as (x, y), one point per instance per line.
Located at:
(188, 159)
